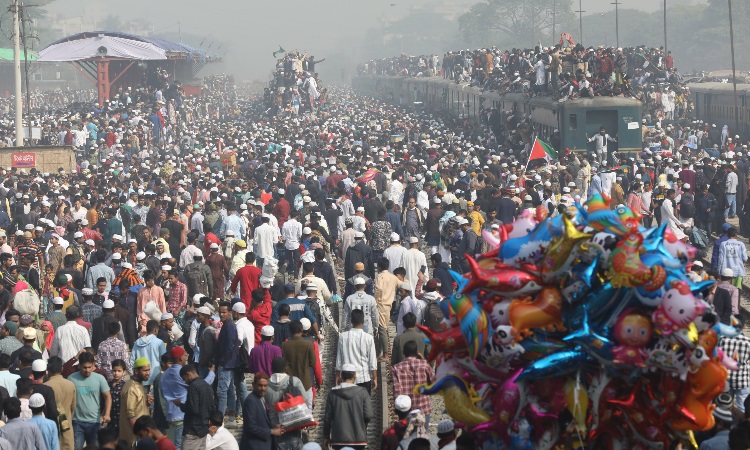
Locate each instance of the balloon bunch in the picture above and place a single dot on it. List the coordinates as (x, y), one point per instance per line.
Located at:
(582, 329)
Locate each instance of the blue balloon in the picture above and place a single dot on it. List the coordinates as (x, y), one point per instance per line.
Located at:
(556, 364)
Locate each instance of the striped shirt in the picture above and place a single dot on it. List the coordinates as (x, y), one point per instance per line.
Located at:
(358, 348)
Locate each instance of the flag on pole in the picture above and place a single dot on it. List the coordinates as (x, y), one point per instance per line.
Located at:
(279, 51)
(542, 150)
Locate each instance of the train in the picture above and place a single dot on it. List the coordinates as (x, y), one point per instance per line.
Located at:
(574, 118)
(714, 104)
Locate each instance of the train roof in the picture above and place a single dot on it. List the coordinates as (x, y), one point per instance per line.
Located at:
(714, 86)
(546, 102)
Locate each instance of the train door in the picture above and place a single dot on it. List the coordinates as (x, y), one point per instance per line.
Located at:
(605, 118)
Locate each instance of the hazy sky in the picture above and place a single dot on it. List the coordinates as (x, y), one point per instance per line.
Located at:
(252, 30)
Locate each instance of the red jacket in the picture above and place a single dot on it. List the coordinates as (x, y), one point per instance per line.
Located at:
(249, 279)
(260, 316)
(281, 211)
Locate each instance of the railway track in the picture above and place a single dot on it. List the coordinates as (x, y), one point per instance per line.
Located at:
(380, 397)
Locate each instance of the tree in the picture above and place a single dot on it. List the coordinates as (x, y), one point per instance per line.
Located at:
(518, 22)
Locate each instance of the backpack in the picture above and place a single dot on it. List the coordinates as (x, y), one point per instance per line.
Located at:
(196, 281)
(312, 303)
(478, 245)
(687, 206)
(446, 232)
(433, 316)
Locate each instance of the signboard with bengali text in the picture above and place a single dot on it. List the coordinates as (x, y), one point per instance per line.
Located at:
(23, 160)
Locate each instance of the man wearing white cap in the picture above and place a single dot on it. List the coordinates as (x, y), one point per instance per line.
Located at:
(263, 354)
(47, 427)
(364, 302)
(414, 262)
(392, 436)
(245, 329)
(395, 252)
(57, 317)
(340, 427)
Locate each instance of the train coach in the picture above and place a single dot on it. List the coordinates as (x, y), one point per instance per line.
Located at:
(714, 104)
(574, 118)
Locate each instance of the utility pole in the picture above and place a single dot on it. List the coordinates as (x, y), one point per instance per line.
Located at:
(17, 72)
(26, 67)
(580, 20)
(617, 23)
(554, 20)
(665, 28)
(734, 72)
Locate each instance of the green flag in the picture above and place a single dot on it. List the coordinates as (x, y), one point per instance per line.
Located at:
(279, 51)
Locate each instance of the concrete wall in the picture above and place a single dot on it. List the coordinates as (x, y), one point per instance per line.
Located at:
(49, 158)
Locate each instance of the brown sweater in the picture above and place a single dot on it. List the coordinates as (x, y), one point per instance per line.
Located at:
(300, 355)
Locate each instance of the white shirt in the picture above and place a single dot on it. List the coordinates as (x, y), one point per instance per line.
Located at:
(358, 348)
(79, 214)
(414, 259)
(264, 239)
(246, 333)
(221, 440)
(69, 340)
(291, 233)
(395, 256)
(186, 257)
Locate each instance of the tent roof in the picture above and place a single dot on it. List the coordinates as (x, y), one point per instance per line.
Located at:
(6, 54)
(83, 46)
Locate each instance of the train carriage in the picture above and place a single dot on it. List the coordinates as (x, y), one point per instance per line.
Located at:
(714, 104)
(573, 118)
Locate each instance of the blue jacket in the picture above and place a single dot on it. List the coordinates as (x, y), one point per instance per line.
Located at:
(172, 388)
(229, 343)
(256, 425)
(440, 273)
(152, 348)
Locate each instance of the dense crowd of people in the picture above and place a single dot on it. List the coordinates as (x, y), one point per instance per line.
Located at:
(200, 241)
(295, 87)
(558, 71)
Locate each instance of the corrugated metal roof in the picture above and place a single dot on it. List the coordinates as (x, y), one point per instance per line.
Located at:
(167, 46)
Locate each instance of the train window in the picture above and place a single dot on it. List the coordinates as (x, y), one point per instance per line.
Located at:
(573, 122)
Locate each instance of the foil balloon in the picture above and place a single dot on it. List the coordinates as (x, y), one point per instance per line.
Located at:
(629, 218)
(507, 404)
(677, 310)
(633, 331)
(668, 357)
(577, 401)
(544, 312)
(529, 248)
(556, 364)
(605, 242)
(497, 311)
(626, 268)
(522, 226)
(448, 341)
(505, 280)
(696, 406)
(447, 366)
(501, 350)
(602, 218)
(679, 250)
(560, 252)
(472, 320)
(459, 399)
